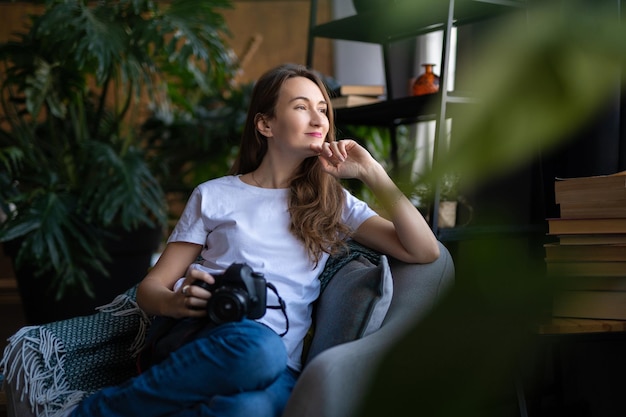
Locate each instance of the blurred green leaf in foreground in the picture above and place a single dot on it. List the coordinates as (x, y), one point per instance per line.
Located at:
(542, 75)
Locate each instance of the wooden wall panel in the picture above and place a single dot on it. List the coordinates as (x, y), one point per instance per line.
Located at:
(13, 18)
(282, 24)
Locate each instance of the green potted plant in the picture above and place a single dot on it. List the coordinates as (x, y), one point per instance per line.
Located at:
(423, 194)
(75, 176)
(196, 144)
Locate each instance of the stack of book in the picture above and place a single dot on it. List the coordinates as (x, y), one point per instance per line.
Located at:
(356, 95)
(588, 260)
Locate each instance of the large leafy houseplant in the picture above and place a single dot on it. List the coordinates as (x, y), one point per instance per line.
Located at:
(75, 88)
(192, 145)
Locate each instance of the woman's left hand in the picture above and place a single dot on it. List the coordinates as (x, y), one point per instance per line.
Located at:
(407, 236)
(344, 159)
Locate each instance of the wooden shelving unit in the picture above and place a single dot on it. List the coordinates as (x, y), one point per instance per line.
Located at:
(400, 21)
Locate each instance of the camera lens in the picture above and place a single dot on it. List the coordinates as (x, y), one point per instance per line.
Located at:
(226, 306)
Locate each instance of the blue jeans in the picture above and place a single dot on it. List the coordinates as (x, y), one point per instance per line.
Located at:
(235, 369)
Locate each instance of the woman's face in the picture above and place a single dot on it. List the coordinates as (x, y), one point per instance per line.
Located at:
(300, 118)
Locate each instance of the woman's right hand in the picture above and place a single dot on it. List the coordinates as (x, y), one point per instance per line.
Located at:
(195, 297)
(155, 294)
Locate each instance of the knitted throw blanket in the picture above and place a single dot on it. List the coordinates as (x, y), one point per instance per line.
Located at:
(336, 262)
(101, 348)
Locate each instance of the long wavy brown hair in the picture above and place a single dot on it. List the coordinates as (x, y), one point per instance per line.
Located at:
(316, 199)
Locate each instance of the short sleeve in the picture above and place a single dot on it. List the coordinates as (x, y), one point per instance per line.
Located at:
(356, 211)
(191, 226)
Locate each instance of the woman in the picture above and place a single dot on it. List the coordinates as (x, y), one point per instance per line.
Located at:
(283, 212)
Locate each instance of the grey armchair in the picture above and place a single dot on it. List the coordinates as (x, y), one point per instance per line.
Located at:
(68, 356)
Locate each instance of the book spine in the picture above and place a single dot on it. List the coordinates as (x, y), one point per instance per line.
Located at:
(609, 305)
(562, 226)
(600, 269)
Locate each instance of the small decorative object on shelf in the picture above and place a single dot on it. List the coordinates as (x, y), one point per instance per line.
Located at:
(447, 214)
(427, 83)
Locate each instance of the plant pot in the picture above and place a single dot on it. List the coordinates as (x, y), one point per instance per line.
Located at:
(447, 214)
(131, 257)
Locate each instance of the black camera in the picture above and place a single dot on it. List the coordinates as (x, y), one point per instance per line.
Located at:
(236, 294)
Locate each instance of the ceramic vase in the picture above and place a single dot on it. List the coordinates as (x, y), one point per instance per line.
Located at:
(426, 83)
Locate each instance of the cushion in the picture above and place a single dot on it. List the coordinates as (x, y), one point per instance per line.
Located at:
(352, 305)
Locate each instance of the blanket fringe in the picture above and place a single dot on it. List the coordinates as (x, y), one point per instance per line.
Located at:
(39, 371)
(34, 359)
(125, 305)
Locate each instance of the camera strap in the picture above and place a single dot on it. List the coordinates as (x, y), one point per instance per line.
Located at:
(281, 306)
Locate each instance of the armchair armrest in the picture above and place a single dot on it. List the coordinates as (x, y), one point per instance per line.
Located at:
(335, 381)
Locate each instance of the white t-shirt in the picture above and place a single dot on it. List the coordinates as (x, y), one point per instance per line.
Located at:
(237, 222)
